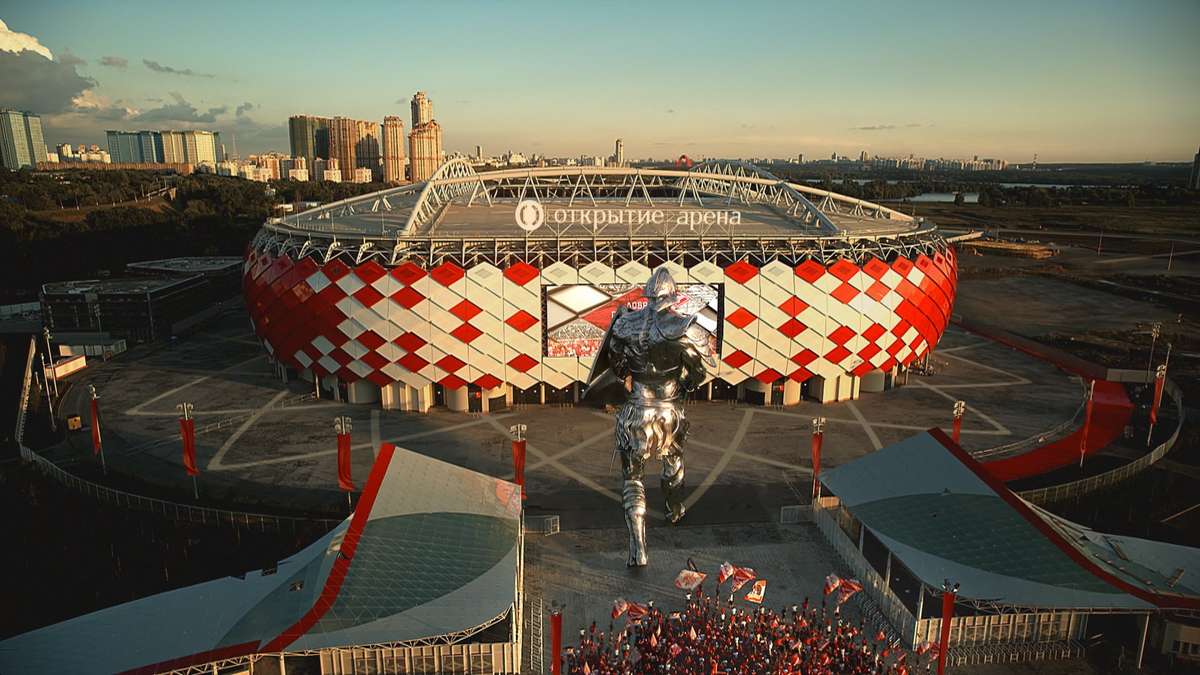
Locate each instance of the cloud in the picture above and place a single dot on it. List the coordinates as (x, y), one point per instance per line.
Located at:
(401, 101)
(69, 59)
(874, 127)
(179, 111)
(670, 110)
(914, 124)
(34, 83)
(245, 108)
(114, 62)
(157, 67)
(12, 41)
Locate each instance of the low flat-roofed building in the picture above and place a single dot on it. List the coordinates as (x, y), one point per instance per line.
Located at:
(223, 273)
(137, 310)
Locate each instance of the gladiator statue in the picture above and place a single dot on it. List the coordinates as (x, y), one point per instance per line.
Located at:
(650, 357)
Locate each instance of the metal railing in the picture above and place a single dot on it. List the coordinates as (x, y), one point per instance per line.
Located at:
(194, 514)
(1075, 488)
(1051, 434)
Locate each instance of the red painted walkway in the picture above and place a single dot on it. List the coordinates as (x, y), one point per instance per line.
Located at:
(1111, 410)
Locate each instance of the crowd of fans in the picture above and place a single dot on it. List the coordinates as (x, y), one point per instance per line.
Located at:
(712, 637)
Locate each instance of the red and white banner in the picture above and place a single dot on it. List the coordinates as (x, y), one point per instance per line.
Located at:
(345, 480)
(518, 452)
(637, 611)
(818, 439)
(689, 580)
(619, 607)
(924, 647)
(692, 633)
(741, 575)
(757, 591)
(944, 641)
(957, 428)
(725, 572)
(95, 427)
(1158, 391)
(848, 588)
(187, 430)
(832, 582)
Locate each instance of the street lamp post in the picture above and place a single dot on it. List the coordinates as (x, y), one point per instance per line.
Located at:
(50, 355)
(818, 438)
(949, 594)
(96, 440)
(189, 443)
(49, 396)
(518, 453)
(960, 409)
(1155, 330)
(342, 424)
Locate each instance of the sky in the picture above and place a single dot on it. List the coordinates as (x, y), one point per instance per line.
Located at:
(1091, 81)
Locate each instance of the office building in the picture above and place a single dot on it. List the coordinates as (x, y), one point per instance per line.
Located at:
(425, 150)
(1194, 183)
(422, 109)
(394, 161)
(619, 154)
(309, 136)
(355, 144)
(21, 142)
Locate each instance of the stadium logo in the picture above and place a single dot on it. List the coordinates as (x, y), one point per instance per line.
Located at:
(530, 215)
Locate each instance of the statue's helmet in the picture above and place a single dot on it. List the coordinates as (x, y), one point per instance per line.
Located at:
(661, 285)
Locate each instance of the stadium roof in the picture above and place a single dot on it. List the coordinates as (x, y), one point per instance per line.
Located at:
(945, 517)
(431, 550)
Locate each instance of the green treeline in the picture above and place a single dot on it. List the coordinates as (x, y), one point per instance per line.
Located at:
(45, 238)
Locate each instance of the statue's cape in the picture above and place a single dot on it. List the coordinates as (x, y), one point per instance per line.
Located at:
(603, 387)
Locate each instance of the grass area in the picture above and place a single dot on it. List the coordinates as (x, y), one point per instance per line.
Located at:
(1148, 220)
(79, 215)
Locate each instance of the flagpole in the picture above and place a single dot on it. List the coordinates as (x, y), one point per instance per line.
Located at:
(96, 427)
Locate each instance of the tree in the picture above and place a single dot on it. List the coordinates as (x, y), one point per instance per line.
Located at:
(985, 199)
(959, 200)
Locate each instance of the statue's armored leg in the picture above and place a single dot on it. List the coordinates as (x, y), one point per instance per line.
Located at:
(672, 486)
(634, 499)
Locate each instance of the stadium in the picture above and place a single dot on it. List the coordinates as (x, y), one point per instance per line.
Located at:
(481, 290)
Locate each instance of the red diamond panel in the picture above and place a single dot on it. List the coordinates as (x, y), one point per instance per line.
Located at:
(805, 357)
(869, 351)
(741, 271)
(792, 328)
(466, 333)
(810, 271)
(522, 320)
(841, 336)
(447, 273)
(837, 354)
(412, 362)
(370, 340)
(876, 268)
(522, 362)
(465, 310)
(902, 266)
(335, 270)
(379, 379)
(768, 376)
(369, 271)
(452, 382)
(843, 269)
(862, 369)
(488, 382)
(874, 332)
(845, 293)
(408, 273)
(410, 342)
(878, 291)
(450, 363)
(741, 318)
(374, 360)
(368, 296)
(801, 374)
(793, 306)
(342, 358)
(738, 359)
(408, 297)
(521, 273)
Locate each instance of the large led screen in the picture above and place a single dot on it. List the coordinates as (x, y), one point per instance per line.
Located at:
(576, 316)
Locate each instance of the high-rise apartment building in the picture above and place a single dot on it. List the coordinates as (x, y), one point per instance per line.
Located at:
(425, 150)
(191, 146)
(21, 141)
(394, 161)
(479, 152)
(619, 153)
(1194, 183)
(309, 136)
(422, 110)
(355, 144)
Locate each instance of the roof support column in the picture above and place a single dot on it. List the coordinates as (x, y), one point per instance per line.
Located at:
(920, 610)
(1142, 642)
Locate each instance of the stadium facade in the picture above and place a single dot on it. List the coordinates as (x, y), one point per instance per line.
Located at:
(477, 290)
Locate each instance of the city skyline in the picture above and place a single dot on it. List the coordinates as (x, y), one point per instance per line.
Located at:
(767, 80)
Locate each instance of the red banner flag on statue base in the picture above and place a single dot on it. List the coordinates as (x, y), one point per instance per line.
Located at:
(1158, 390)
(188, 432)
(345, 480)
(95, 427)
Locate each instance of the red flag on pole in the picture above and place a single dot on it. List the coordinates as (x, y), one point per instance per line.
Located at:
(944, 642)
(957, 428)
(740, 576)
(725, 572)
(1158, 392)
(188, 431)
(345, 481)
(556, 641)
(518, 450)
(832, 583)
(689, 580)
(816, 460)
(95, 427)
(1087, 423)
(847, 588)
